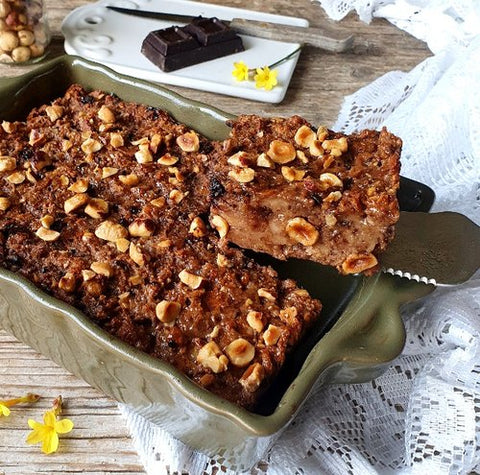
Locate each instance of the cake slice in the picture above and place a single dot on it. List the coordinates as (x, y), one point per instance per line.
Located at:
(289, 190)
(104, 205)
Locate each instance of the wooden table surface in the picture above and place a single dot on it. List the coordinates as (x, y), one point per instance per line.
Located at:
(100, 442)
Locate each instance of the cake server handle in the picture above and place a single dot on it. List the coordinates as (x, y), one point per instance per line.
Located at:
(434, 248)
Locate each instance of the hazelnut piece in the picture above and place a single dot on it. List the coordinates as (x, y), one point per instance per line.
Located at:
(191, 280)
(254, 319)
(304, 136)
(167, 311)
(106, 115)
(211, 357)
(47, 234)
(197, 227)
(252, 377)
(189, 142)
(75, 202)
(242, 175)
(281, 152)
(300, 230)
(7, 164)
(356, 263)
(110, 231)
(141, 228)
(240, 352)
(4, 203)
(102, 268)
(292, 174)
(54, 112)
(220, 224)
(271, 335)
(96, 208)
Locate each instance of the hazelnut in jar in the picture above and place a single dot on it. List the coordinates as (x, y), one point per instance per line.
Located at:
(24, 33)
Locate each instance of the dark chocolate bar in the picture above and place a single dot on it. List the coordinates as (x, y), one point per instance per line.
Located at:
(202, 40)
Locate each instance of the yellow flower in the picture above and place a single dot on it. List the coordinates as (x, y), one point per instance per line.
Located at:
(47, 433)
(4, 410)
(5, 405)
(241, 71)
(266, 78)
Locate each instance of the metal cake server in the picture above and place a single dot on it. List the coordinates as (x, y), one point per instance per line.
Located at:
(433, 248)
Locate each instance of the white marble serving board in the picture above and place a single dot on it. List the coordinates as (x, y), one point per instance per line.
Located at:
(114, 39)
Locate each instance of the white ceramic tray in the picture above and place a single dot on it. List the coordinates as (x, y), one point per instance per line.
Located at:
(115, 39)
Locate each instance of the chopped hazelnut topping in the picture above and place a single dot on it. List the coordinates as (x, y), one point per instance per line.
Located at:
(189, 142)
(329, 180)
(167, 311)
(266, 295)
(191, 280)
(47, 221)
(292, 174)
(240, 352)
(141, 228)
(47, 234)
(7, 164)
(109, 171)
(304, 136)
(88, 274)
(155, 141)
(301, 293)
(8, 127)
(135, 279)
(281, 152)
(136, 255)
(322, 133)
(142, 141)
(356, 263)
(110, 231)
(102, 268)
(64, 180)
(167, 160)
(288, 315)
(91, 146)
(106, 115)
(252, 377)
(16, 178)
(302, 157)
(35, 137)
(4, 203)
(97, 208)
(159, 202)
(330, 220)
(80, 186)
(212, 357)
(176, 196)
(116, 140)
(264, 162)
(54, 112)
(271, 335)
(254, 319)
(198, 227)
(242, 175)
(222, 261)
(333, 196)
(239, 159)
(143, 155)
(129, 180)
(68, 282)
(164, 244)
(66, 145)
(214, 333)
(336, 146)
(220, 224)
(316, 149)
(122, 244)
(75, 202)
(300, 230)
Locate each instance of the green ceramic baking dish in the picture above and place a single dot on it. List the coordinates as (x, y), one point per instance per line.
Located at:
(359, 333)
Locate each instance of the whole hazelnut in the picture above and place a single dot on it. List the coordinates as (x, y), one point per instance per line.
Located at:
(26, 37)
(8, 40)
(36, 50)
(21, 54)
(5, 58)
(4, 9)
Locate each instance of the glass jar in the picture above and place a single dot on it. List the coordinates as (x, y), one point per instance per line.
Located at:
(24, 32)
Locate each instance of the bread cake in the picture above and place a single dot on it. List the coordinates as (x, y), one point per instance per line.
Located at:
(290, 190)
(105, 205)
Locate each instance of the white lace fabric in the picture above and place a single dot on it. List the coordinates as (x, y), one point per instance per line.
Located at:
(422, 415)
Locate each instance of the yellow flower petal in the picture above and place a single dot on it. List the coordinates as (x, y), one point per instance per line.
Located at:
(240, 72)
(4, 410)
(38, 434)
(50, 442)
(49, 418)
(64, 426)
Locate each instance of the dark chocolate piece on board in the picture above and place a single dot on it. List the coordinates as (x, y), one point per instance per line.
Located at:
(210, 30)
(178, 47)
(172, 40)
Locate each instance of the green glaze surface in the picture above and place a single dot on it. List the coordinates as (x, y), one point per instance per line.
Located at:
(359, 333)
